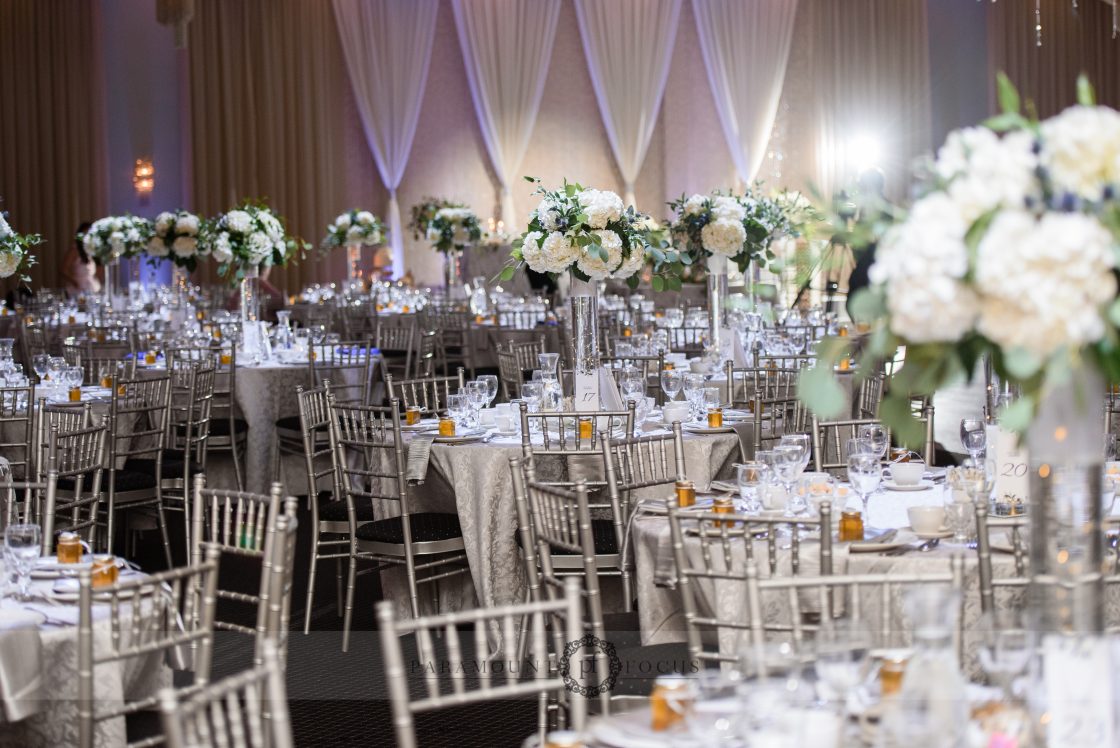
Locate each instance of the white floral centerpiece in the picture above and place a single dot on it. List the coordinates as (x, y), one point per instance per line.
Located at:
(738, 228)
(355, 228)
(113, 237)
(453, 228)
(175, 236)
(249, 238)
(15, 251)
(1010, 253)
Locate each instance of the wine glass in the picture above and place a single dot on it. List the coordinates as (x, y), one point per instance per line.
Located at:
(842, 662)
(531, 393)
(55, 368)
(491, 382)
(632, 383)
(693, 386)
(458, 407)
(751, 477)
(788, 466)
(1006, 646)
(22, 545)
(73, 376)
(672, 380)
(974, 437)
(478, 394)
(859, 446)
(41, 363)
(802, 442)
(876, 435)
(865, 472)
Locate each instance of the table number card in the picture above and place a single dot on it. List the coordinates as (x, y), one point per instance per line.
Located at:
(1077, 678)
(587, 392)
(1012, 479)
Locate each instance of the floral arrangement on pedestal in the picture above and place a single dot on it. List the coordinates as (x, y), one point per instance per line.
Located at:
(453, 229)
(249, 237)
(355, 228)
(15, 251)
(175, 236)
(585, 231)
(421, 214)
(113, 237)
(1010, 253)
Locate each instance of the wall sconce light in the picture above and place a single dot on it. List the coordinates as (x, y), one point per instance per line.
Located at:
(143, 178)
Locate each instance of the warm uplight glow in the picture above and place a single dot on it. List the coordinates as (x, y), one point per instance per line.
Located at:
(144, 177)
(864, 152)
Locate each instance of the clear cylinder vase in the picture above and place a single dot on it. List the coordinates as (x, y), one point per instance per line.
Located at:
(354, 262)
(453, 271)
(251, 311)
(585, 327)
(109, 288)
(180, 282)
(1066, 532)
(717, 304)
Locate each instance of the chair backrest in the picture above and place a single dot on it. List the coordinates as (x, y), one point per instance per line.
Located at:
(348, 367)
(192, 399)
(170, 612)
(224, 403)
(565, 433)
(1014, 531)
(97, 358)
(830, 443)
(429, 394)
(538, 676)
(250, 525)
(315, 424)
(65, 417)
(17, 433)
(424, 362)
(776, 408)
(635, 463)
(77, 457)
(25, 502)
(367, 453)
(711, 549)
(871, 395)
(871, 600)
(396, 344)
(246, 710)
(138, 417)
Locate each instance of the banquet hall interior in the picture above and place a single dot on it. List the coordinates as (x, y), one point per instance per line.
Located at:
(560, 373)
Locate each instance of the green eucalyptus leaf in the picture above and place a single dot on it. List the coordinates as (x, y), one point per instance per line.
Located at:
(822, 394)
(868, 305)
(1007, 93)
(1086, 96)
(507, 273)
(1018, 415)
(658, 283)
(895, 412)
(1021, 363)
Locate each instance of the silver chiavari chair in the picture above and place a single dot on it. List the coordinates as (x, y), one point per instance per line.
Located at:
(778, 361)
(63, 417)
(539, 677)
(424, 362)
(874, 593)
(369, 465)
(246, 710)
(396, 344)
(192, 397)
(348, 366)
(253, 526)
(171, 612)
(775, 406)
(713, 550)
(455, 347)
(1014, 530)
(78, 459)
(553, 434)
(510, 374)
(871, 395)
(429, 394)
(17, 430)
(22, 501)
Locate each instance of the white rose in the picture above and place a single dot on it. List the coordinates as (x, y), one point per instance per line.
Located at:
(997, 173)
(5, 229)
(163, 222)
(558, 252)
(343, 221)
(365, 218)
(694, 205)
(187, 224)
(222, 251)
(595, 267)
(373, 238)
(355, 234)
(1044, 283)
(1081, 150)
(271, 225)
(157, 247)
(728, 208)
(532, 253)
(433, 234)
(723, 237)
(601, 207)
(9, 261)
(259, 246)
(239, 222)
(184, 246)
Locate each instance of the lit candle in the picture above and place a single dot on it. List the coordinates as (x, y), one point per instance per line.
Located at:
(501, 226)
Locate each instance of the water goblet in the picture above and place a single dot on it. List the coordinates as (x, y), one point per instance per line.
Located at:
(865, 473)
(672, 380)
(1006, 646)
(491, 382)
(751, 477)
(842, 661)
(22, 546)
(973, 436)
(459, 407)
(477, 396)
(876, 435)
(788, 466)
(41, 362)
(802, 442)
(693, 387)
(531, 393)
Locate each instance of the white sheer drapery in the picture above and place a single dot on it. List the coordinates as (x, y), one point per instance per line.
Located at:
(507, 45)
(388, 45)
(745, 44)
(628, 44)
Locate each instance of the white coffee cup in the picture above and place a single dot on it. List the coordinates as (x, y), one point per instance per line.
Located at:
(674, 411)
(926, 520)
(503, 409)
(503, 422)
(907, 473)
(486, 416)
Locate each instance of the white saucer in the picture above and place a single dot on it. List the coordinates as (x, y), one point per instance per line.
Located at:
(461, 438)
(939, 535)
(922, 485)
(701, 429)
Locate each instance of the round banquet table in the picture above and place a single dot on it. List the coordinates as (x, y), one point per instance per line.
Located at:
(474, 480)
(39, 672)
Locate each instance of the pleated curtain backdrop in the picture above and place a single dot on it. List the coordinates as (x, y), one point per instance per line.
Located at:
(267, 83)
(746, 46)
(52, 125)
(629, 44)
(388, 45)
(507, 47)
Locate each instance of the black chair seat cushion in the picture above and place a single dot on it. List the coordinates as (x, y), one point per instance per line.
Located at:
(606, 543)
(335, 511)
(289, 423)
(172, 465)
(125, 482)
(220, 426)
(426, 527)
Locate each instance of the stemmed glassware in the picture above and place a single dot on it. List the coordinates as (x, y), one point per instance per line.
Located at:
(21, 547)
(459, 408)
(876, 435)
(41, 363)
(751, 477)
(974, 437)
(787, 465)
(478, 394)
(1005, 648)
(491, 383)
(672, 380)
(531, 393)
(865, 473)
(693, 387)
(632, 383)
(842, 662)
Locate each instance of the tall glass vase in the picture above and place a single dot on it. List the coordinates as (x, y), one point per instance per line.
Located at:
(585, 326)
(354, 261)
(109, 288)
(180, 283)
(251, 311)
(717, 305)
(1066, 534)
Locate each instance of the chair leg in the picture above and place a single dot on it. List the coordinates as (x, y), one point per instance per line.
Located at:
(338, 585)
(233, 442)
(311, 580)
(163, 532)
(349, 614)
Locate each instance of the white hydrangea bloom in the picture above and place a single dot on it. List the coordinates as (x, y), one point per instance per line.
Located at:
(548, 213)
(1081, 150)
(631, 264)
(222, 252)
(694, 205)
(365, 218)
(532, 253)
(558, 252)
(723, 237)
(595, 267)
(259, 247)
(271, 225)
(157, 247)
(989, 172)
(187, 225)
(354, 234)
(728, 208)
(184, 246)
(163, 222)
(601, 206)
(1044, 283)
(9, 261)
(343, 221)
(239, 222)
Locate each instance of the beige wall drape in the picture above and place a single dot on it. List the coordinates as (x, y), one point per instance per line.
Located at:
(52, 137)
(1071, 44)
(272, 116)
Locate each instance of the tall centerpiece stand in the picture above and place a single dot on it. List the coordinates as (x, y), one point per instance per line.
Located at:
(585, 343)
(717, 305)
(354, 262)
(251, 312)
(453, 273)
(111, 286)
